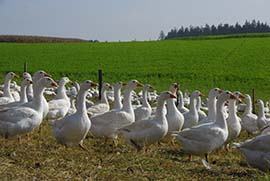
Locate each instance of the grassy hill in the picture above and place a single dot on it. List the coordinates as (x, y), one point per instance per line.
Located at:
(36, 39)
(235, 63)
(231, 63)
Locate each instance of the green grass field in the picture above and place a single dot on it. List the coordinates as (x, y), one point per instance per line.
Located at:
(234, 64)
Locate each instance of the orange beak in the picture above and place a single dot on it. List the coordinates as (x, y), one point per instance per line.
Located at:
(54, 84)
(233, 96)
(47, 75)
(139, 84)
(241, 96)
(172, 96)
(220, 91)
(17, 76)
(124, 83)
(151, 88)
(93, 84)
(201, 94)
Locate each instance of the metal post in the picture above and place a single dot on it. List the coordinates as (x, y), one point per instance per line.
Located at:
(253, 101)
(100, 83)
(25, 67)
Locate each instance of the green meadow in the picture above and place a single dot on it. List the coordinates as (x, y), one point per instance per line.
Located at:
(234, 64)
(229, 63)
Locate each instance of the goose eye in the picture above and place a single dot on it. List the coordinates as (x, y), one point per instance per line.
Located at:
(87, 82)
(227, 93)
(134, 81)
(216, 89)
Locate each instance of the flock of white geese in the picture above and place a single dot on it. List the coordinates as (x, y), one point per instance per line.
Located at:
(71, 115)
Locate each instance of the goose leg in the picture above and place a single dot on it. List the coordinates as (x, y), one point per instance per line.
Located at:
(190, 157)
(19, 139)
(83, 147)
(206, 157)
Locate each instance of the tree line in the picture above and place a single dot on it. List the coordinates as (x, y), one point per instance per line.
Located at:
(221, 29)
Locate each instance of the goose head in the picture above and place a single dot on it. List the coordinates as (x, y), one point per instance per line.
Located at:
(119, 85)
(87, 84)
(64, 80)
(47, 82)
(196, 94)
(174, 87)
(147, 87)
(226, 95)
(11, 75)
(259, 103)
(133, 84)
(106, 86)
(239, 95)
(215, 92)
(26, 82)
(27, 75)
(166, 95)
(40, 74)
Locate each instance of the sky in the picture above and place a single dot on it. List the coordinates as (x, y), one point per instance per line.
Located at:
(122, 20)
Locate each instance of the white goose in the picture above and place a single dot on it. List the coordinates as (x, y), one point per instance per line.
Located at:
(174, 117)
(23, 119)
(117, 95)
(204, 138)
(72, 129)
(233, 121)
(7, 96)
(249, 120)
(257, 152)
(29, 89)
(23, 97)
(201, 114)
(107, 124)
(181, 106)
(148, 131)
(191, 117)
(59, 106)
(262, 121)
(103, 106)
(144, 111)
(37, 76)
(212, 101)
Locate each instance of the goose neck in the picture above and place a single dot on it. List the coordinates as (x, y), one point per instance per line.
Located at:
(61, 92)
(104, 96)
(212, 101)
(193, 102)
(199, 103)
(23, 96)
(38, 97)
(160, 108)
(180, 100)
(127, 100)
(81, 106)
(220, 118)
(117, 98)
(144, 100)
(232, 108)
(171, 104)
(248, 108)
(261, 113)
(7, 88)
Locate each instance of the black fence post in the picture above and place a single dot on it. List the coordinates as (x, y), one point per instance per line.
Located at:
(100, 83)
(25, 67)
(253, 101)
